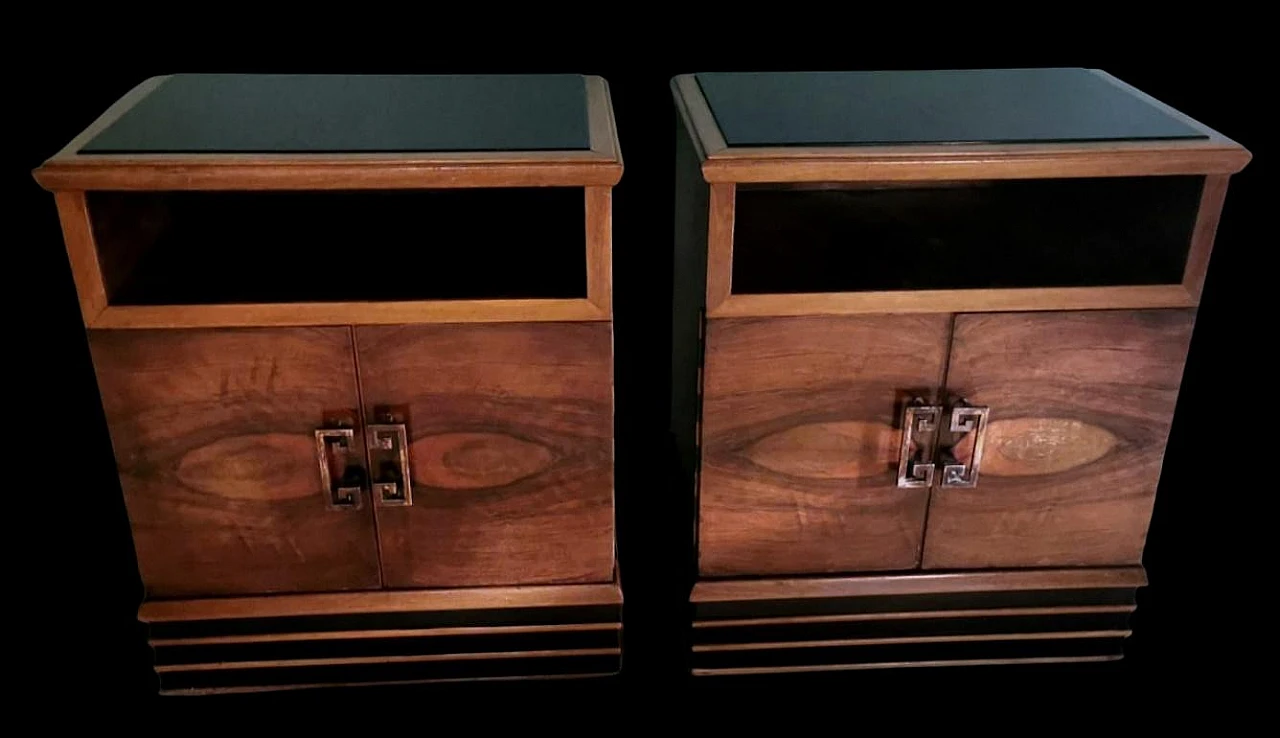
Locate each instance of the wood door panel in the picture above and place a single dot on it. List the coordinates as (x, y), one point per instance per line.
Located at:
(1081, 405)
(800, 442)
(213, 432)
(511, 451)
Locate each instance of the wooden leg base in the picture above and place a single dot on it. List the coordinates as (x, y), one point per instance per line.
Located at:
(386, 637)
(913, 620)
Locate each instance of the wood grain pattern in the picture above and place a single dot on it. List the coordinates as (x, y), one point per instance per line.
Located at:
(1206, 228)
(213, 437)
(918, 584)
(798, 467)
(599, 209)
(997, 612)
(375, 634)
(842, 642)
(347, 313)
(77, 234)
(329, 171)
(407, 659)
(1081, 405)
(951, 301)
(382, 601)
(972, 161)
(719, 246)
(543, 512)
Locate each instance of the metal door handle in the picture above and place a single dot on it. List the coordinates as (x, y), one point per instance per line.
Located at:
(389, 462)
(919, 437)
(966, 420)
(341, 475)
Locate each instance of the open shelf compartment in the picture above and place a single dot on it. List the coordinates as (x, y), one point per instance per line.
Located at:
(1001, 234)
(215, 248)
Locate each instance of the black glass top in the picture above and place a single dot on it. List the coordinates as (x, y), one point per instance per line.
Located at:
(284, 113)
(930, 107)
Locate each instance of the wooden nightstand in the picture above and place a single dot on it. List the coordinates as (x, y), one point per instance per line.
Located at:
(353, 337)
(929, 332)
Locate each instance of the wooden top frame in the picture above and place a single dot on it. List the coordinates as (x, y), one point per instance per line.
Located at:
(69, 175)
(601, 165)
(724, 164)
(725, 167)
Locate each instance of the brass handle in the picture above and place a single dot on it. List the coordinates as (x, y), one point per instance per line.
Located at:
(966, 420)
(341, 476)
(389, 462)
(919, 437)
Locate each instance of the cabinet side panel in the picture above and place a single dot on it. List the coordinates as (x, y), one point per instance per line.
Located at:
(1081, 405)
(214, 440)
(688, 297)
(510, 451)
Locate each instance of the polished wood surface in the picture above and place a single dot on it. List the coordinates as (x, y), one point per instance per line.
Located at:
(510, 450)
(768, 646)
(800, 438)
(949, 301)
(913, 584)
(1206, 228)
(77, 234)
(387, 633)
(392, 637)
(997, 612)
(601, 165)
(347, 313)
(891, 620)
(407, 659)
(383, 601)
(213, 436)
(1081, 405)
(720, 218)
(599, 210)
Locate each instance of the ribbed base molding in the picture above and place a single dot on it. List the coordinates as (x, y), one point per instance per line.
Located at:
(920, 620)
(307, 641)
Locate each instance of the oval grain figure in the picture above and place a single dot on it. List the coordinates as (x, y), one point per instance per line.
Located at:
(1081, 406)
(269, 466)
(837, 450)
(512, 452)
(476, 460)
(213, 437)
(799, 447)
(1024, 447)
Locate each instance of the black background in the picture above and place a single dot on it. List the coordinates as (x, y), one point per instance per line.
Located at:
(75, 587)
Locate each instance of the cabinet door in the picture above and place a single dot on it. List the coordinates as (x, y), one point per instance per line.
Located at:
(1081, 405)
(510, 451)
(800, 440)
(214, 436)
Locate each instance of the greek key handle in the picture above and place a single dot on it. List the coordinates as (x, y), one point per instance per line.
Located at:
(966, 419)
(919, 438)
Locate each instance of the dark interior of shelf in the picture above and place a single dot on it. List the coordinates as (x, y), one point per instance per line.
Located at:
(195, 248)
(991, 234)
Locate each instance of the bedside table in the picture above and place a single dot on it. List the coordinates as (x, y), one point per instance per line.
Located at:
(929, 331)
(353, 338)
